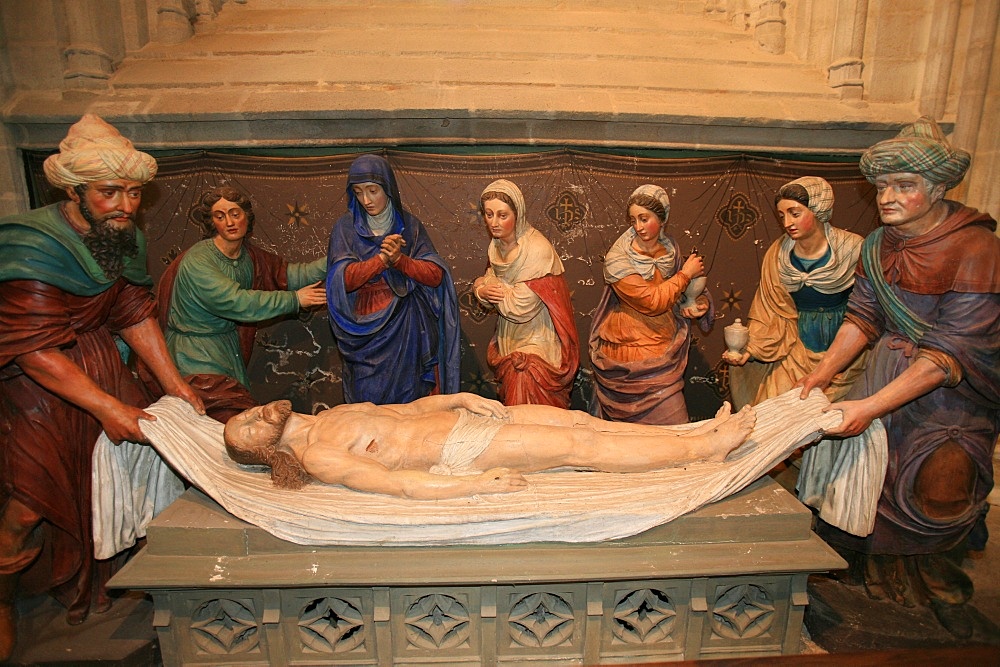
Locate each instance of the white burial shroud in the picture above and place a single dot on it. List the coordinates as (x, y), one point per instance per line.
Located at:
(561, 506)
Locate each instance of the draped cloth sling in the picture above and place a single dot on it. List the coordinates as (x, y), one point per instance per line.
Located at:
(563, 505)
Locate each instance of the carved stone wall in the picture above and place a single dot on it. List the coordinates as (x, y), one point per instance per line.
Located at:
(823, 77)
(553, 624)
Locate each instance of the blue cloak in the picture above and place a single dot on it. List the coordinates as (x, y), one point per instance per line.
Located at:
(400, 353)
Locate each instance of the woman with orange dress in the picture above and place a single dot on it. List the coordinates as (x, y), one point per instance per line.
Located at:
(640, 335)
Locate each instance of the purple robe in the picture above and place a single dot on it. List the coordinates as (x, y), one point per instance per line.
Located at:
(961, 303)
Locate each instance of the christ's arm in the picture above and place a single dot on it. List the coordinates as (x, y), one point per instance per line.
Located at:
(471, 402)
(362, 474)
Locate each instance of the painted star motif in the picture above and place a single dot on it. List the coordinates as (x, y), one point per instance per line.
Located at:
(732, 297)
(472, 213)
(297, 214)
(170, 255)
(480, 384)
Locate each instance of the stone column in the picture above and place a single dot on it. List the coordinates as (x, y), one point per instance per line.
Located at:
(769, 27)
(13, 189)
(90, 54)
(940, 56)
(972, 125)
(173, 25)
(737, 13)
(205, 12)
(846, 64)
(715, 9)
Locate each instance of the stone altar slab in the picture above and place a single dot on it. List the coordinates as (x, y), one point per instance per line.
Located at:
(727, 580)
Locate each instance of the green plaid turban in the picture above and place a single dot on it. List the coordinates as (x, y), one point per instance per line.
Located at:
(919, 148)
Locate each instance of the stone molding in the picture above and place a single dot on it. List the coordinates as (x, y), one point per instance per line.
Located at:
(95, 47)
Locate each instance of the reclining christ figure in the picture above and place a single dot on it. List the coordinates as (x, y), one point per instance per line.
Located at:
(454, 445)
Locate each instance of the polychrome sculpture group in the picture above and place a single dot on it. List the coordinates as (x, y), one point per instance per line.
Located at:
(904, 326)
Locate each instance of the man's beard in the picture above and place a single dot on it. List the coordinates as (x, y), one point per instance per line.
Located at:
(108, 245)
(286, 469)
(284, 411)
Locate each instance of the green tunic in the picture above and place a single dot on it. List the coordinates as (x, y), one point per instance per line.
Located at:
(211, 295)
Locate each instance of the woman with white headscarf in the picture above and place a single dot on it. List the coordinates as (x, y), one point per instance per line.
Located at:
(640, 335)
(535, 351)
(805, 281)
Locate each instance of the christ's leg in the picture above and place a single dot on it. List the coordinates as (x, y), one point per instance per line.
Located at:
(722, 415)
(528, 447)
(546, 415)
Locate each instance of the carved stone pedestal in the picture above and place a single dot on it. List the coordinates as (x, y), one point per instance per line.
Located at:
(727, 580)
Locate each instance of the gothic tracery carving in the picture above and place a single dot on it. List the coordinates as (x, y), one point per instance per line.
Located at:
(644, 616)
(436, 622)
(224, 627)
(331, 625)
(541, 619)
(743, 612)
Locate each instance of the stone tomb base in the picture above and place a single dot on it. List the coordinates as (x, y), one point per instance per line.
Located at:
(727, 580)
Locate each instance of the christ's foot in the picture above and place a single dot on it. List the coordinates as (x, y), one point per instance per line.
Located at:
(730, 434)
(724, 413)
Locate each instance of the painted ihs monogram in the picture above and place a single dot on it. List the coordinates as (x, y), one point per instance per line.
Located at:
(738, 215)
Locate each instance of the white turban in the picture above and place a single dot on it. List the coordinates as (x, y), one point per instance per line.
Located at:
(95, 151)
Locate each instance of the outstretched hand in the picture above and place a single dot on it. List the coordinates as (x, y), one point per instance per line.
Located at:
(812, 381)
(185, 391)
(502, 480)
(121, 422)
(737, 359)
(311, 295)
(699, 308)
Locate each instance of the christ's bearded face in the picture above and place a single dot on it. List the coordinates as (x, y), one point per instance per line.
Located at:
(257, 428)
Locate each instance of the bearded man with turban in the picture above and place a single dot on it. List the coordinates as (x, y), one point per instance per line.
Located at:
(927, 299)
(72, 276)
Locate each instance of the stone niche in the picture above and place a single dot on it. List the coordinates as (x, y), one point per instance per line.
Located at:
(727, 580)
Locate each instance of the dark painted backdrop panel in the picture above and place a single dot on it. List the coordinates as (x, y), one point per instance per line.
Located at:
(723, 206)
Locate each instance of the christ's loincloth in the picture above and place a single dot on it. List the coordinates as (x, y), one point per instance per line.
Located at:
(469, 437)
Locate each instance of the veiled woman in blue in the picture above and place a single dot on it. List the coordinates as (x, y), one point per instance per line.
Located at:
(393, 308)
